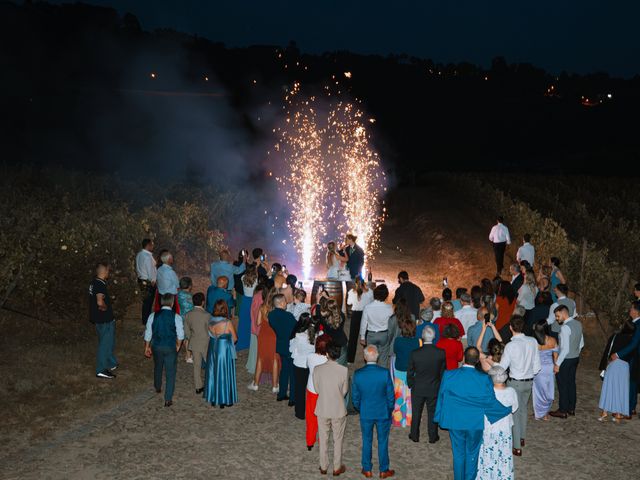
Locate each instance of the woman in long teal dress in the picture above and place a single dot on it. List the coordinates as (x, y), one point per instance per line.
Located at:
(556, 277)
(249, 283)
(220, 374)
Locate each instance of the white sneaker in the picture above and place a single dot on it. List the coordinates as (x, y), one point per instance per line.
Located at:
(189, 360)
(253, 387)
(276, 389)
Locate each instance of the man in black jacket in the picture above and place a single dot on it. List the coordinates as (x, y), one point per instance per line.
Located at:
(356, 256)
(410, 292)
(426, 367)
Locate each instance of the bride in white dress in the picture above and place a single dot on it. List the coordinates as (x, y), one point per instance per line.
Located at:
(334, 261)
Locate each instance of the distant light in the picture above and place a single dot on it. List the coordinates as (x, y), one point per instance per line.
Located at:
(609, 95)
(153, 75)
(255, 81)
(372, 120)
(347, 74)
(206, 79)
(486, 78)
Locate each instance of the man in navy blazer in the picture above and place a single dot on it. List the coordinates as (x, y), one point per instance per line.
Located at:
(465, 397)
(283, 323)
(631, 354)
(372, 395)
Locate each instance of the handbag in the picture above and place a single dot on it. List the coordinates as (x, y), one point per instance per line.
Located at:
(602, 372)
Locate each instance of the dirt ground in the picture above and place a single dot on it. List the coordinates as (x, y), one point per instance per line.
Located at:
(61, 422)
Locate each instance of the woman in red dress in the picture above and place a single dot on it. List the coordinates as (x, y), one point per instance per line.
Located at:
(452, 346)
(447, 318)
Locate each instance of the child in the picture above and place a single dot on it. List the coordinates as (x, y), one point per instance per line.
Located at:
(219, 292)
(298, 307)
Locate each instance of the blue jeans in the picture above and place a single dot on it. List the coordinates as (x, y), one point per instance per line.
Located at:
(465, 445)
(165, 358)
(106, 342)
(382, 427)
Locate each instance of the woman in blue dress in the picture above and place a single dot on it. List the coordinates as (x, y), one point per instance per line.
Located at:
(248, 282)
(220, 373)
(614, 396)
(556, 277)
(543, 382)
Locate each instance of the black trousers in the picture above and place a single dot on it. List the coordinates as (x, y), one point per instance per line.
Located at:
(417, 404)
(566, 378)
(148, 296)
(301, 375)
(354, 335)
(498, 251)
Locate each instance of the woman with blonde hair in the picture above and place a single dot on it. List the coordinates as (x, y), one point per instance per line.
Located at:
(332, 324)
(267, 356)
(447, 317)
(358, 297)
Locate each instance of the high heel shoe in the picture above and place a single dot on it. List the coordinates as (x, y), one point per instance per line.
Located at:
(603, 417)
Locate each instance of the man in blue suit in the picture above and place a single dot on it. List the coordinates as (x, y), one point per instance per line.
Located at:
(283, 323)
(372, 396)
(356, 256)
(465, 397)
(631, 354)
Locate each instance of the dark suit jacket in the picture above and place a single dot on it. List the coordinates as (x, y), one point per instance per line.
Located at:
(412, 294)
(356, 260)
(631, 353)
(517, 283)
(283, 323)
(372, 392)
(466, 396)
(426, 367)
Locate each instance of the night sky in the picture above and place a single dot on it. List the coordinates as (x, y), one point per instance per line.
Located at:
(579, 36)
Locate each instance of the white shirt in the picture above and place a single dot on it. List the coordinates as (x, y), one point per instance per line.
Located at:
(564, 338)
(300, 349)
(468, 316)
(297, 309)
(521, 357)
(527, 296)
(526, 252)
(358, 305)
(148, 332)
(375, 317)
(552, 316)
(500, 233)
(509, 398)
(313, 360)
(146, 266)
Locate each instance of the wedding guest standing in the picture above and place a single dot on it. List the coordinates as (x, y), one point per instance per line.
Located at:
(526, 251)
(358, 297)
(523, 361)
(163, 337)
(450, 343)
(426, 367)
(185, 299)
(447, 317)
(614, 396)
(196, 334)
(332, 322)
(500, 238)
(372, 395)
(298, 307)
(331, 381)
(374, 329)
(402, 348)
(467, 315)
(283, 323)
(631, 354)
(224, 267)
(220, 378)
(543, 382)
(268, 360)
(248, 283)
(465, 398)
(571, 344)
(166, 281)
(496, 459)
(147, 273)
(313, 360)
(556, 278)
(301, 346)
(410, 292)
(256, 303)
(219, 291)
(101, 315)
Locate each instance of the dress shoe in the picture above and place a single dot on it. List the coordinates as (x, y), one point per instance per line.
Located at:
(168, 403)
(367, 473)
(522, 442)
(199, 391)
(340, 471)
(558, 414)
(517, 452)
(291, 404)
(387, 474)
(322, 472)
(280, 399)
(309, 447)
(633, 412)
(413, 439)
(434, 440)
(158, 390)
(571, 413)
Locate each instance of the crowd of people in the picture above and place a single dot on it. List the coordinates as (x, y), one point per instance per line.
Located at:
(475, 361)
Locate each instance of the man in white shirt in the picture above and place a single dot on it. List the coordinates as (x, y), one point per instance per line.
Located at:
(147, 273)
(374, 328)
(467, 315)
(571, 343)
(167, 280)
(523, 361)
(526, 251)
(500, 238)
(561, 291)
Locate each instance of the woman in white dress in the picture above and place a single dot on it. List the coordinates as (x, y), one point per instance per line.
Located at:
(334, 260)
(496, 454)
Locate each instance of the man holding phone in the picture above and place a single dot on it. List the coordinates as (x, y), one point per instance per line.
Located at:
(260, 259)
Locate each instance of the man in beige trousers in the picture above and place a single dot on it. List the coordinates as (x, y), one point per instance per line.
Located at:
(331, 381)
(196, 332)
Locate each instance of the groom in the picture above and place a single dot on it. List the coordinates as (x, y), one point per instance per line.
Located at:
(356, 256)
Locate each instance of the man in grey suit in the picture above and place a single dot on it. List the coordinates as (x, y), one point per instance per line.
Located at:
(331, 381)
(196, 332)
